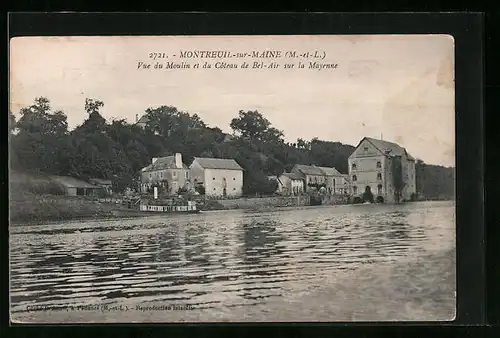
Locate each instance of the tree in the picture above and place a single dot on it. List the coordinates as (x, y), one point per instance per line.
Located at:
(397, 176)
(253, 125)
(41, 138)
(95, 122)
(12, 122)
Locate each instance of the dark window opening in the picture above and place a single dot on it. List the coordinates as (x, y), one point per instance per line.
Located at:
(354, 178)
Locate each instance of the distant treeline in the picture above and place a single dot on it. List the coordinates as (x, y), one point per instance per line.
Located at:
(40, 141)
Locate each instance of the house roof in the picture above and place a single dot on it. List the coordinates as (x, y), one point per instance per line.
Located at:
(292, 176)
(388, 148)
(309, 170)
(330, 171)
(161, 163)
(71, 182)
(218, 163)
(319, 171)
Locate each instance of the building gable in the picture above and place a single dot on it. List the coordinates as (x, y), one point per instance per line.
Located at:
(366, 148)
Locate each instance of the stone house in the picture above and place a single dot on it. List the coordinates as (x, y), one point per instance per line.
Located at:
(168, 174)
(376, 165)
(290, 184)
(314, 176)
(142, 121)
(220, 177)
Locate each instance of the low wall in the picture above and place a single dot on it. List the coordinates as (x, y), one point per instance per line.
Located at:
(334, 199)
(263, 202)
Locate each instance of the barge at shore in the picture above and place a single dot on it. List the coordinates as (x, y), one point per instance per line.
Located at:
(147, 209)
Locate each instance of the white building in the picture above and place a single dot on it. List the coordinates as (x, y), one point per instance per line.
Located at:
(220, 177)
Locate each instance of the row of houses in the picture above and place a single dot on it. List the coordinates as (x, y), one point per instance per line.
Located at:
(216, 176)
(371, 168)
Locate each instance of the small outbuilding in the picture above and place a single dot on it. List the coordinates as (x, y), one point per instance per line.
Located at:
(75, 187)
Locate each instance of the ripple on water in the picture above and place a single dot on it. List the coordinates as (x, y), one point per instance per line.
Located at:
(212, 260)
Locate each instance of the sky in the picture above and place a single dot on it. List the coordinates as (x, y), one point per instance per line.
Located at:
(396, 87)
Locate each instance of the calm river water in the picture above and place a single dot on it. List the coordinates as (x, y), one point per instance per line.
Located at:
(313, 263)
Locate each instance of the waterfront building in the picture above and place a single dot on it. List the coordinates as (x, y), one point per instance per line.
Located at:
(315, 177)
(106, 185)
(384, 168)
(76, 187)
(290, 184)
(168, 174)
(218, 176)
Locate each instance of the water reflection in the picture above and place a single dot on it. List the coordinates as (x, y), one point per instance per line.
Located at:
(232, 258)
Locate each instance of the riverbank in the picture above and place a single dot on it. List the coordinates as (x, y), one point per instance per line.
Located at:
(29, 208)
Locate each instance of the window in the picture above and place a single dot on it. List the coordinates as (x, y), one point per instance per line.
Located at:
(354, 178)
(354, 166)
(150, 175)
(234, 179)
(187, 175)
(379, 189)
(379, 176)
(174, 174)
(161, 174)
(214, 178)
(379, 165)
(355, 190)
(234, 188)
(365, 148)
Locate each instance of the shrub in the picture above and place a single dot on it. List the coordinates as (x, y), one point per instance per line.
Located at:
(200, 189)
(357, 200)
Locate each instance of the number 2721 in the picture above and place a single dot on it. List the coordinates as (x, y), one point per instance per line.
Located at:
(155, 56)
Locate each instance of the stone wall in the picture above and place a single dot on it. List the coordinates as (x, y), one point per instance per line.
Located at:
(334, 199)
(264, 202)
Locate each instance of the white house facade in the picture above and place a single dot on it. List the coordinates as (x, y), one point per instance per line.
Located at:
(220, 177)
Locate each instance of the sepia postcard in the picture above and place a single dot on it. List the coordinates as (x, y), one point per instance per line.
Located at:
(265, 178)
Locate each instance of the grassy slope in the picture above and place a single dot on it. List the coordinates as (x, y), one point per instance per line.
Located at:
(36, 199)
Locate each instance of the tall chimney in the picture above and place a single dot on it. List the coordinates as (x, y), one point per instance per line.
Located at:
(154, 160)
(178, 160)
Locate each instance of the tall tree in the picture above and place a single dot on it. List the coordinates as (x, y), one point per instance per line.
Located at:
(41, 137)
(253, 125)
